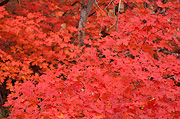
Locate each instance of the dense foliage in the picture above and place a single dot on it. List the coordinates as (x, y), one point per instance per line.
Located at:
(130, 73)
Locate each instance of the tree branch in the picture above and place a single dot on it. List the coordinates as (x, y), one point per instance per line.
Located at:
(85, 10)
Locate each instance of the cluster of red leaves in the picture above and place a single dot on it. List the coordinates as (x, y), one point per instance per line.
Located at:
(119, 76)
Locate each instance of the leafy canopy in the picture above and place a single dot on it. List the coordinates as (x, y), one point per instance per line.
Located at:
(132, 73)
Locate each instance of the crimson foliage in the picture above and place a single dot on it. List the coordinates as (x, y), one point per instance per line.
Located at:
(132, 73)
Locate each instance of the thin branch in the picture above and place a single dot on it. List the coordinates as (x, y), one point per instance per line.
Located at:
(137, 84)
(166, 52)
(102, 19)
(148, 97)
(108, 6)
(108, 68)
(19, 3)
(118, 15)
(64, 84)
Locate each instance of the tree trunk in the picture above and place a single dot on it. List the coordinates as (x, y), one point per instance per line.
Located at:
(85, 10)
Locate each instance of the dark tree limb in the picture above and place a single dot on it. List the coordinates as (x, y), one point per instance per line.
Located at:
(2, 108)
(85, 10)
(4, 2)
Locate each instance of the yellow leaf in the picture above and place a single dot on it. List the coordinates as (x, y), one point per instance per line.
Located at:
(61, 116)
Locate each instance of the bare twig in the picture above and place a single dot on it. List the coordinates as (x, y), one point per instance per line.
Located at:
(118, 16)
(148, 97)
(106, 12)
(167, 52)
(19, 3)
(137, 84)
